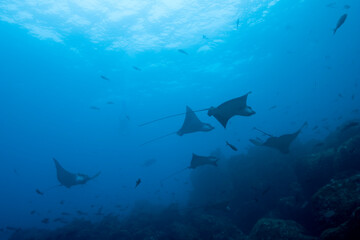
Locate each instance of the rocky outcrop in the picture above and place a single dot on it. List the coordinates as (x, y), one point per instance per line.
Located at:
(317, 169)
(349, 230)
(270, 229)
(334, 203)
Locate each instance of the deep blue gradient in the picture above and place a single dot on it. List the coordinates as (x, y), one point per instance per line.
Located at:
(290, 60)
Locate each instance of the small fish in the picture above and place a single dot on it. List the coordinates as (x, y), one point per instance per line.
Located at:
(62, 202)
(1, 230)
(182, 51)
(32, 212)
(138, 183)
(347, 6)
(110, 102)
(316, 127)
(16, 172)
(353, 97)
(105, 78)
(340, 22)
(205, 37)
(45, 221)
(237, 24)
(340, 95)
(349, 125)
(231, 146)
(136, 68)
(65, 214)
(94, 108)
(39, 192)
(272, 107)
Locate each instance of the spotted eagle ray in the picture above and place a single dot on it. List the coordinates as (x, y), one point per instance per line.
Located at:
(191, 124)
(222, 113)
(197, 161)
(69, 179)
(281, 143)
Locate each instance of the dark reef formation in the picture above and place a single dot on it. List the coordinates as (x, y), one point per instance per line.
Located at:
(312, 193)
(334, 203)
(266, 229)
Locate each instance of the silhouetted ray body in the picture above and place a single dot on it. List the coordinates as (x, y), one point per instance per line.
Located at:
(196, 161)
(225, 111)
(69, 179)
(234, 107)
(191, 124)
(281, 143)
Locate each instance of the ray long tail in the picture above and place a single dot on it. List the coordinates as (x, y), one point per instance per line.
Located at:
(158, 138)
(170, 116)
(263, 132)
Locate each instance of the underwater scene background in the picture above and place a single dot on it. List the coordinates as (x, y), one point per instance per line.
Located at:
(80, 78)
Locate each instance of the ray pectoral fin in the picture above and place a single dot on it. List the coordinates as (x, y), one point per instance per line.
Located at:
(208, 127)
(304, 125)
(255, 142)
(211, 111)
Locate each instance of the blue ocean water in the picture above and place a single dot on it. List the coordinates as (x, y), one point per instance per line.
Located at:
(55, 104)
